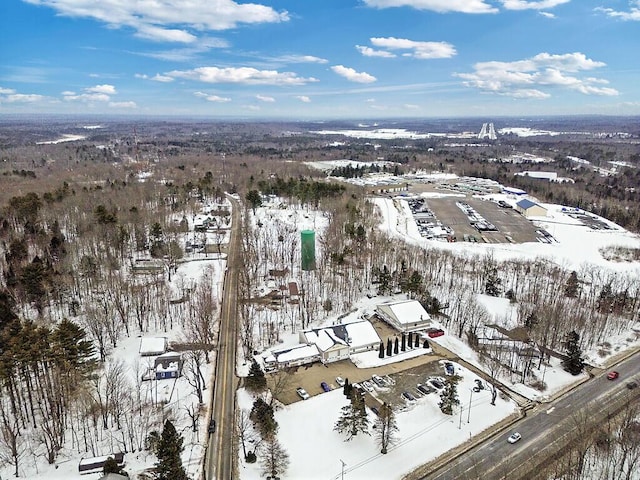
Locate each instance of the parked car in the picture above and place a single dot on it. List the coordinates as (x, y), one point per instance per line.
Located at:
(437, 384)
(340, 381)
(302, 393)
(424, 389)
(632, 385)
(367, 385)
(212, 426)
(408, 396)
(613, 375)
(378, 380)
(479, 384)
(514, 437)
(325, 386)
(435, 332)
(449, 368)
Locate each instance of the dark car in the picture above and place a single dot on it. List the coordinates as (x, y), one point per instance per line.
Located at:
(448, 368)
(325, 387)
(212, 426)
(632, 385)
(423, 389)
(408, 396)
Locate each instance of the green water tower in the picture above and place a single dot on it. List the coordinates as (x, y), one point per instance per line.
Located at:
(308, 243)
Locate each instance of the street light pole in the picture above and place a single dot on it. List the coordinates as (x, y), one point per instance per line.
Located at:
(469, 412)
(343, 465)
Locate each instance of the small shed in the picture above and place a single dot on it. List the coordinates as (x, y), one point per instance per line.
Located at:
(96, 464)
(530, 209)
(152, 346)
(168, 365)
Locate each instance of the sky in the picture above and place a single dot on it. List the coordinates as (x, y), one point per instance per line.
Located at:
(320, 59)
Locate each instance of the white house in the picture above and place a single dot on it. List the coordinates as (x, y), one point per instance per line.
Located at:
(290, 357)
(405, 315)
(337, 342)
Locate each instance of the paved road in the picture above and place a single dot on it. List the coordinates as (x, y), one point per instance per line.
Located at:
(220, 456)
(545, 430)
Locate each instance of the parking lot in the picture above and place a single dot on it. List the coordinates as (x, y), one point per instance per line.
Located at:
(511, 226)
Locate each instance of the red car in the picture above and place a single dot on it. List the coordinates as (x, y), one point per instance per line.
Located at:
(613, 375)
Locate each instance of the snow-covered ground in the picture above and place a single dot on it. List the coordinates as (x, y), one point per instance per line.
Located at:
(424, 432)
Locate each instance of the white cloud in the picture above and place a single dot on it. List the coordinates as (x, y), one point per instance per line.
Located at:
(241, 75)
(303, 98)
(156, 19)
(106, 89)
(123, 104)
(370, 52)
(266, 99)
(441, 6)
(525, 78)
(162, 78)
(353, 76)
(532, 5)
(10, 96)
(212, 98)
(189, 52)
(420, 50)
(88, 97)
(547, 14)
(301, 59)
(633, 14)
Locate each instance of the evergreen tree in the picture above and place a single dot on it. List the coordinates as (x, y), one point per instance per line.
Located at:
(414, 283)
(262, 416)
(111, 466)
(493, 284)
(403, 347)
(574, 362)
(572, 287)
(256, 381)
(449, 395)
(386, 427)
(353, 419)
(417, 344)
(255, 199)
(381, 353)
(395, 346)
(169, 465)
(410, 340)
(389, 347)
(347, 388)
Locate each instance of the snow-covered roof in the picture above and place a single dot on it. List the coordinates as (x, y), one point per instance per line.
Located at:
(513, 190)
(296, 353)
(354, 334)
(361, 333)
(171, 367)
(406, 311)
(153, 345)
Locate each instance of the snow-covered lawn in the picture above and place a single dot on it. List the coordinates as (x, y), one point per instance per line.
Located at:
(424, 432)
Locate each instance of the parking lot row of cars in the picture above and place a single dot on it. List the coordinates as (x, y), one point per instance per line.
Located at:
(377, 380)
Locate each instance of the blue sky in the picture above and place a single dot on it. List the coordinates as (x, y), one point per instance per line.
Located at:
(320, 59)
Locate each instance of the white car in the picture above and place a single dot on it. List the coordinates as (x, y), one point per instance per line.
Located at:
(302, 393)
(340, 381)
(514, 437)
(367, 385)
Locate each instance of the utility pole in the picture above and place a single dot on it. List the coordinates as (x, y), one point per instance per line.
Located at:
(469, 412)
(343, 465)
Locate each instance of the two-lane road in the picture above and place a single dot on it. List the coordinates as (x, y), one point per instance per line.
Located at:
(219, 456)
(545, 430)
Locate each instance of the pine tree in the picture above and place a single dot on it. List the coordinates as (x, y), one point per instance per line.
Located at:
(572, 287)
(449, 395)
(381, 353)
(574, 363)
(395, 346)
(256, 381)
(386, 427)
(493, 284)
(389, 347)
(403, 347)
(417, 344)
(347, 388)
(169, 465)
(353, 419)
(410, 340)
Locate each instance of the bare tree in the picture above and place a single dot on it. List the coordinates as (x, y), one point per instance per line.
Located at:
(386, 427)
